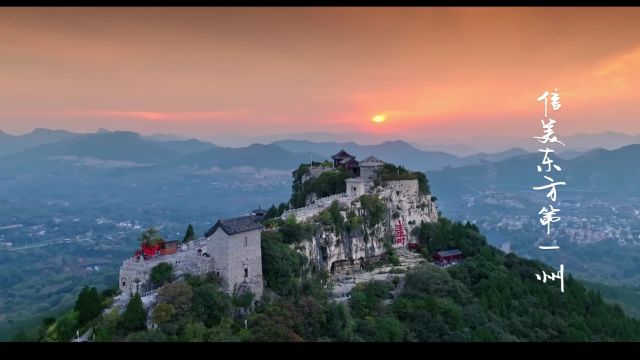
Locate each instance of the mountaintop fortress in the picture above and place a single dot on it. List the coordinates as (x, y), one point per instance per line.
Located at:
(378, 203)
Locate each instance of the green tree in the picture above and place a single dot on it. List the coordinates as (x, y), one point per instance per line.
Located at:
(88, 305)
(106, 329)
(210, 305)
(134, 317)
(66, 327)
(147, 336)
(48, 321)
(194, 331)
(293, 232)
(279, 322)
(224, 332)
(244, 299)
(161, 274)
(189, 235)
(340, 324)
(150, 237)
(354, 222)
(281, 265)
(271, 213)
(162, 313)
(179, 294)
(374, 209)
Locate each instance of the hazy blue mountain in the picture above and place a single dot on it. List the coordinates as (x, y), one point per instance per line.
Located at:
(256, 155)
(4, 136)
(325, 149)
(599, 231)
(608, 140)
(572, 154)
(324, 136)
(398, 152)
(10, 144)
(451, 148)
(612, 171)
(164, 137)
(492, 144)
(186, 146)
(117, 145)
(499, 156)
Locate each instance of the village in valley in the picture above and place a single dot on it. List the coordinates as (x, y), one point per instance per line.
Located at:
(231, 248)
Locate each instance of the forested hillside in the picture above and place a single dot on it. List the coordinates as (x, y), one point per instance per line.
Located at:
(489, 296)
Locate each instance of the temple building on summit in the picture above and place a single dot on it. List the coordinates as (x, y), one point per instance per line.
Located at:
(344, 160)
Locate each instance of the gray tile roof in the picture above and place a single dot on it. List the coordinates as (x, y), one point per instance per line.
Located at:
(235, 225)
(371, 161)
(450, 253)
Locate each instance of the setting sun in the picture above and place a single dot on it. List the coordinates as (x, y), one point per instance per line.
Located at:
(380, 118)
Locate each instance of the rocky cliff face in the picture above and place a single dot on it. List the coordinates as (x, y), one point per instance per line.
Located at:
(346, 252)
(405, 201)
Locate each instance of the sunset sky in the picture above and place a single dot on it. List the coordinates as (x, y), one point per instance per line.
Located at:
(218, 73)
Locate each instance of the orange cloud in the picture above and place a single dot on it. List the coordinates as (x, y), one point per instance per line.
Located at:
(170, 116)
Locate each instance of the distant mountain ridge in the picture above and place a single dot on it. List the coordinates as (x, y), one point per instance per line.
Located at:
(160, 148)
(132, 147)
(465, 147)
(11, 144)
(398, 152)
(598, 170)
(118, 145)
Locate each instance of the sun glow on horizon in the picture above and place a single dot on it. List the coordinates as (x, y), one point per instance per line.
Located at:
(380, 118)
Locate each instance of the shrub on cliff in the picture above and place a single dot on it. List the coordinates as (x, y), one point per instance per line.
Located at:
(161, 274)
(293, 232)
(281, 265)
(374, 209)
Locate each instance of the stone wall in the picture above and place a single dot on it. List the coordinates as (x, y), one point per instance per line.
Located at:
(405, 188)
(369, 172)
(232, 254)
(228, 257)
(307, 212)
(186, 261)
(403, 197)
(315, 171)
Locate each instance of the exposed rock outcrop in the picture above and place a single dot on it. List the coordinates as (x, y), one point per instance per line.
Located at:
(351, 251)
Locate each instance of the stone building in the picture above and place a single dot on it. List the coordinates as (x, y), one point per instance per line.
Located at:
(355, 187)
(234, 245)
(231, 248)
(346, 161)
(369, 167)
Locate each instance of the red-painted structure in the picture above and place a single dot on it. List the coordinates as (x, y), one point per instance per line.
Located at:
(170, 247)
(413, 246)
(148, 251)
(346, 161)
(447, 257)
